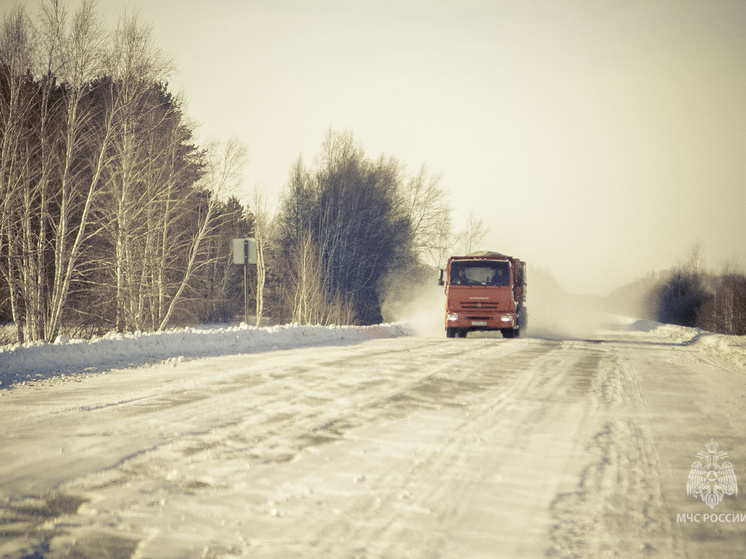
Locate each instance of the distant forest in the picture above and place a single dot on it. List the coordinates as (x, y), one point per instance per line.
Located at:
(688, 295)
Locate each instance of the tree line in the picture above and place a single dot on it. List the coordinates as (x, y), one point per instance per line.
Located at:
(112, 217)
(688, 295)
(109, 212)
(691, 296)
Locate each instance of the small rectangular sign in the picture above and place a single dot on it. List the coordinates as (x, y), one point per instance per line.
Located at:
(240, 247)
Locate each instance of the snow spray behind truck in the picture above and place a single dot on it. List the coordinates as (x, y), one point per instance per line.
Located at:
(485, 291)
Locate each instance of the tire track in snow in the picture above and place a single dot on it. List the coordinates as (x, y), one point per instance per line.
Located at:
(617, 508)
(433, 485)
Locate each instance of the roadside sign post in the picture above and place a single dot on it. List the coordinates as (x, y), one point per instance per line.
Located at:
(246, 280)
(244, 252)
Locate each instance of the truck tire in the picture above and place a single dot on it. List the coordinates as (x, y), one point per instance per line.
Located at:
(523, 319)
(509, 332)
(450, 332)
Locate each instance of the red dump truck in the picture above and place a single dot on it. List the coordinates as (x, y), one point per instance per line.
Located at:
(485, 291)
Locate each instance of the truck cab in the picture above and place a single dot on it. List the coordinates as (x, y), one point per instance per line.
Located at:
(485, 291)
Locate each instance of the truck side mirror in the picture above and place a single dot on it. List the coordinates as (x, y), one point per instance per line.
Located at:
(440, 280)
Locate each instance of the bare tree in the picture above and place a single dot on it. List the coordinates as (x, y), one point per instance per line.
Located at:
(360, 223)
(366, 220)
(694, 263)
(16, 107)
(81, 60)
(223, 172)
(134, 64)
(262, 235)
(430, 217)
(684, 295)
(91, 142)
(49, 188)
(724, 310)
(293, 230)
(473, 234)
(727, 310)
(305, 283)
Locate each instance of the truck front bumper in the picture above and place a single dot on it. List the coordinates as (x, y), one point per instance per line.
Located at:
(471, 322)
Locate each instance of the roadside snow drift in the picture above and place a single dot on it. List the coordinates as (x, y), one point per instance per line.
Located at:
(40, 360)
(731, 349)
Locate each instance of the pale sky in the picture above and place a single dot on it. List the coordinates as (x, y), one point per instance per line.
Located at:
(598, 139)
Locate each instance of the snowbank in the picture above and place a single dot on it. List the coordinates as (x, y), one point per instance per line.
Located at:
(728, 348)
(40, 360)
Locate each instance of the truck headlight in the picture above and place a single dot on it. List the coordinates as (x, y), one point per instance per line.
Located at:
(452, 316)
(506, 318)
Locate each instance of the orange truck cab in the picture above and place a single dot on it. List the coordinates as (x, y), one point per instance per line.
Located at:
(485, 291)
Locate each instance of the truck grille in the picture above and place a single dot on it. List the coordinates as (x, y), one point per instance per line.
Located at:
(483, 306)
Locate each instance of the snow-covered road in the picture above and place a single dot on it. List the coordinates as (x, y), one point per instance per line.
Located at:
(392, 447)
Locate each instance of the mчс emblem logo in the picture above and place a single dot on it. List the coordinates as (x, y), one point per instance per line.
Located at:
(709, 480)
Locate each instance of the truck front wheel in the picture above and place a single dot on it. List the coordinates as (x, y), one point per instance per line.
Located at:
(450, 332)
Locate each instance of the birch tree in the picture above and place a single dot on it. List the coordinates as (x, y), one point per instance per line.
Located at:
(223, 172)
(16, 107)
(305, 282)
(85, 128)
(134, 64)
(100, 192)
(219, 283)
(49, 185)
(263, 235)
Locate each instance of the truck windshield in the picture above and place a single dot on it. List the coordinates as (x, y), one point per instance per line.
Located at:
(480, 272)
